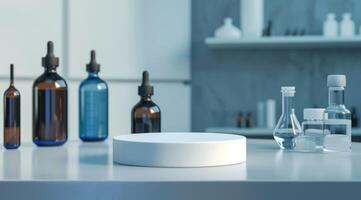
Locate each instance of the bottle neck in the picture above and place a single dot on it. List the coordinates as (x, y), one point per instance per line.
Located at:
(287, 104)
(12, 77)
(93, 75)
(336, 96)
(146, 98)
(50, 70)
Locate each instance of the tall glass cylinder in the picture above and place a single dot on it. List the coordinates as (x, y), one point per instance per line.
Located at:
(337, 118)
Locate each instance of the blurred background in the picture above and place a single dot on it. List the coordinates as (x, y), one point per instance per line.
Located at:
(129, 36)
(202, 82)
(230, 76)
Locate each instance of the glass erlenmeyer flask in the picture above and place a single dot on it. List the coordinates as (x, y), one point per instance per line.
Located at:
(288, 127)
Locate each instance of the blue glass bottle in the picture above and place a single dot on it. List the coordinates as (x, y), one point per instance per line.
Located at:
(93, 104)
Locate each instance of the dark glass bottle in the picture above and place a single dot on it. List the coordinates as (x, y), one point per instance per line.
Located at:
(50, 104)
(240, 120)
(11, 114)
(249, 120)
(93, 104)
(146, 116)
(354, 117)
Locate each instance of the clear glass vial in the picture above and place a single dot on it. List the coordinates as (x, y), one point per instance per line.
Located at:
(337, 119)
(50, 104)
(288, 127)
(93, 104)
(311, 139)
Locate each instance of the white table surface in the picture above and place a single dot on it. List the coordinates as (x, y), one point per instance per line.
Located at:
(86, 170)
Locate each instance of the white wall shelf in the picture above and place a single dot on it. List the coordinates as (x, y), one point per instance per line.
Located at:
(285, 42)
(257, 132)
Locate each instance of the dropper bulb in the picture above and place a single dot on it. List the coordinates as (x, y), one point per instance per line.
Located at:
(92, 56)
(50, 47)
(145, 89)
(11, 72)
(50, 60)
(93, 66)
(145, 80)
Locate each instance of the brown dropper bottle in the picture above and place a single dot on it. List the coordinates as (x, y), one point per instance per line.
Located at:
(50, 104)
(11, 114)
(146, 114)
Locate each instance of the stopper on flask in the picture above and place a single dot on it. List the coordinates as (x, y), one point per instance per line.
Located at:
(288, 90)
(313, 113)
(336, 80)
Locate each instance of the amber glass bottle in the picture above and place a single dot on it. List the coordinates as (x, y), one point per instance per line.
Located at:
(11, 114)
(146, 114)
(50, 104)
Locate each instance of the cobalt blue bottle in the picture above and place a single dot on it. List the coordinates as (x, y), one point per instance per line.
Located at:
(93, 104)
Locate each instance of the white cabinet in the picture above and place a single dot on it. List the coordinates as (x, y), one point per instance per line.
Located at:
(131, 36)
(25, 28)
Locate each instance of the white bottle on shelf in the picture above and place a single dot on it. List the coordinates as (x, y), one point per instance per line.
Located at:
(266, 114)
(228, 30)
(270, 113)
(330, 26)
(252, 12)
(261, 119)
(347, 26)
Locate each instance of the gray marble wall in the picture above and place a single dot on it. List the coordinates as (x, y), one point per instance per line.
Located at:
(225, 82)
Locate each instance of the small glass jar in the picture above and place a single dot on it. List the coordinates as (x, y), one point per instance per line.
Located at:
(311, 139)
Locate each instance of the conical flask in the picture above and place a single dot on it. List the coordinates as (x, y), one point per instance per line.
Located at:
(288, 127)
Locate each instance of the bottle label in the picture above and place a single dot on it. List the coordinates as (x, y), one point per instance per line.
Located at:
(338, 121)
(50, 117)
(337, 126)
(94, 115)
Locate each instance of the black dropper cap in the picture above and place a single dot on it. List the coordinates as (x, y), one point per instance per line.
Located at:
(145, 89)
(50, 60)
(11, 73)
(93, 66)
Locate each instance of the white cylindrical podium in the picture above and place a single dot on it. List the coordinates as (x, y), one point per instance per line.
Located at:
(179, 149)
